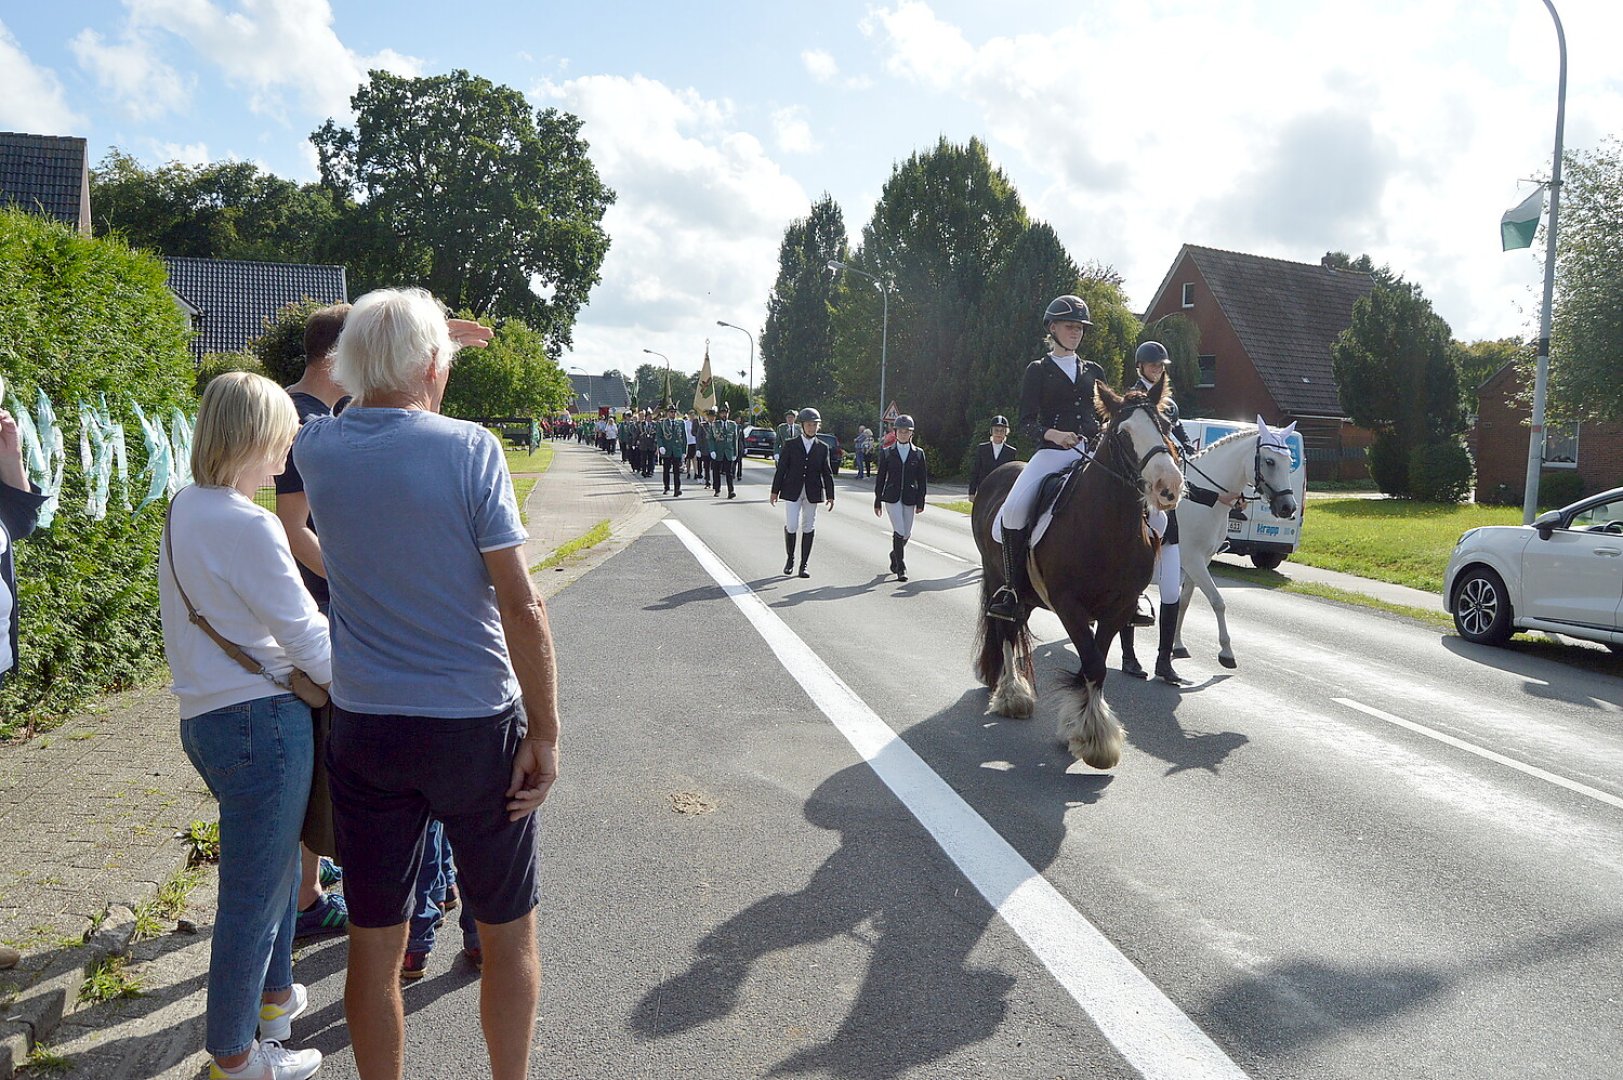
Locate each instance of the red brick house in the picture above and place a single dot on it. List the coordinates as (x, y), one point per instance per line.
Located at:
(1594, 451)
(1266, 327)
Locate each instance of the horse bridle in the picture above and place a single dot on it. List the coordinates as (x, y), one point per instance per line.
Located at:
(1163, 446)
(1262, 486)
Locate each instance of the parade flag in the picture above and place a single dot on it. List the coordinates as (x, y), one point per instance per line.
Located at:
(704, 396)
(1517, 227)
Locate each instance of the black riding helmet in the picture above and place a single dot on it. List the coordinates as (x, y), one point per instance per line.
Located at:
(1067, 309)
(1151, 352)
(808, 415)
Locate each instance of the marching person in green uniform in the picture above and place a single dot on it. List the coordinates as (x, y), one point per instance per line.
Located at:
(673, 446)
(786, 431)
(723, 450)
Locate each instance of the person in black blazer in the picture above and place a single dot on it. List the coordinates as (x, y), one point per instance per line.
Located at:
(804, 478)
(1056, 413)
(989, 455)
(899, 487)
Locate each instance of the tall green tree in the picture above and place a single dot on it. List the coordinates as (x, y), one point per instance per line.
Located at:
(512, 376)
(1397, 378)
(648, 385)
(455, 183)
(1476, 361)
(225, 210)
(1181, 336)
(797, 345)
(1586, 347)
(1116, 329)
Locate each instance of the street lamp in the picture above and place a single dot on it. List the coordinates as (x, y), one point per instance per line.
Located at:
(667, 360)
(884, 329)
(751, 387)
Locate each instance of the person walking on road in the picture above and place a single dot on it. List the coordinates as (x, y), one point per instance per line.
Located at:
(899, 488)
(803, 478)
(227, 577)
(786, 431)
(863, 445)
(673, 445)
(723, 450)
(445, 697)
(989, 455)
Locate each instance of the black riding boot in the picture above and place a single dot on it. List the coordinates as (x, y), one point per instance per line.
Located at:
(1006, 601)
(896, 543)
(1129, 659)
(899, 546)
(789, 552)
(1163, 659)
(1145, 614)
(805, 550)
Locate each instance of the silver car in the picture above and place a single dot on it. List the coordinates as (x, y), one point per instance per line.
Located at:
(1563, 574)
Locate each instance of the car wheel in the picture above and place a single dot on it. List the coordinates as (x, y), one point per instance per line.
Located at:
(1266, 560)
(1482, 607)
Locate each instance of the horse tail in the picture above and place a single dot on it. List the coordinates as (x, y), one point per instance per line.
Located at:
(988, 641)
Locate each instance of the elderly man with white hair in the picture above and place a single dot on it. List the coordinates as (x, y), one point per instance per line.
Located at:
(444, 684)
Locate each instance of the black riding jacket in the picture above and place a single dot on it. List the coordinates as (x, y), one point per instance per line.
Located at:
(1049, 399)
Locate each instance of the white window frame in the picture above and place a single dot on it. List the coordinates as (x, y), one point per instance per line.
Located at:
(1188, 294)
(1557, 437)
(1202, 368)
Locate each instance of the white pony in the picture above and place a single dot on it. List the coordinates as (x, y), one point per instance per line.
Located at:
(1252, 457)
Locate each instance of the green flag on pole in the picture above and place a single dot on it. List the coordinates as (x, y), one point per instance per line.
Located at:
(1517, 227)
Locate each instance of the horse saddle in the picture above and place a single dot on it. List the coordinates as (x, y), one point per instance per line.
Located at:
(1048, 491)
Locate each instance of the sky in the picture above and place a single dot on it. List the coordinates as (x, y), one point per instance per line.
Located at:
(1397, 128)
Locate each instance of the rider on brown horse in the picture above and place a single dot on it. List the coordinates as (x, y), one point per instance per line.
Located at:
(1057, 415)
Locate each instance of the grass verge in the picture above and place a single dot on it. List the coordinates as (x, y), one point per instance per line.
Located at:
(522, 486)
(1273, 579)
(963, 506)
(1395, 540)
(531, 461)
(595, 536)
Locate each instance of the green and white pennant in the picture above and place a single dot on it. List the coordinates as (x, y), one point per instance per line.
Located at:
(1517, 227)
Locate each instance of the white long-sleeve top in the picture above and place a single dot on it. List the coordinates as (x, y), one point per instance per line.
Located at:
(233, 558)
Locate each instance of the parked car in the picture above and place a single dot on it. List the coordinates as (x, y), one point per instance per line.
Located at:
(1563, 574)
(836, 453)
(760, 440)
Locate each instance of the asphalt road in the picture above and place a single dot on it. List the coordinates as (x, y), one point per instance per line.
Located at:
(1371, 851)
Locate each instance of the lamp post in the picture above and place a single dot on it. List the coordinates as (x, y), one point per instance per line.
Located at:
(1541, 380)
(667, 360)
(884, 329)
(751, 389)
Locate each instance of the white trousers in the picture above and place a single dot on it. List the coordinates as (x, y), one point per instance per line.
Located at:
(1022, 500)
(1169, 565)
(901, 518)
(799, 516)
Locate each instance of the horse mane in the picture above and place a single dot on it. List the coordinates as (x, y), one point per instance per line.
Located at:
(1235, 437)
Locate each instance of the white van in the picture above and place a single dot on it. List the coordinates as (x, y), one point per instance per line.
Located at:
(1267, 539)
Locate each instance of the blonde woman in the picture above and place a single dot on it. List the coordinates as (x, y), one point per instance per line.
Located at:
(248, 737)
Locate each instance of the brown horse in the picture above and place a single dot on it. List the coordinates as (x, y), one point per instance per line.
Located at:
(1090, 566)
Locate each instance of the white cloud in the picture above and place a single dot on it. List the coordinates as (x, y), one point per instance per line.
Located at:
(132, 73)
(695, 229)
(196, 153)
(821, 64)
(793, 131)
(284, 53)
(31, 97)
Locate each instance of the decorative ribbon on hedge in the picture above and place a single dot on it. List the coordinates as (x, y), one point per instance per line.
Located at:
(43, 455)
(101, 450)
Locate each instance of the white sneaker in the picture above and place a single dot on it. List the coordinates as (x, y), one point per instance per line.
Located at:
(276, 1021)
(269, 1061)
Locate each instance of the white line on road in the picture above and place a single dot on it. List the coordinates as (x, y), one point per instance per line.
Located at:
(1481, 752)
(1139, 1020)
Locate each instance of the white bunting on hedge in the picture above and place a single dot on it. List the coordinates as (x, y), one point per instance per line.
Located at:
(1519, 225)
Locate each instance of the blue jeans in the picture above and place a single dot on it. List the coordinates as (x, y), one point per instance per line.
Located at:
(256, 759)
(435, 877)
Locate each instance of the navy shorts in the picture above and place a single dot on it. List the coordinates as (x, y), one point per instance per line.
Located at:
(390, 774)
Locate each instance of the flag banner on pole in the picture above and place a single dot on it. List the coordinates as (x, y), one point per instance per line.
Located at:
(1517, 227)
(704, 395)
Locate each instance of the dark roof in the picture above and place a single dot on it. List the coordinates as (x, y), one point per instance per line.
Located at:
(592, 391)
(235, 297)
(1286, 315)
(45, 174)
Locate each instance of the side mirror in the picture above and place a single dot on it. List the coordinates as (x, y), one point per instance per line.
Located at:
(1546, 523)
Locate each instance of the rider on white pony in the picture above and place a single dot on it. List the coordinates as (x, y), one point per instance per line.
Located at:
(1151, 361)
(1057, 415)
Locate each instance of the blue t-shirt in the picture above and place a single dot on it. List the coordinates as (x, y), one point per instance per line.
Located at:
(406, 503)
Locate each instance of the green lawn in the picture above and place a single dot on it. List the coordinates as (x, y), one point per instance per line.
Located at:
(1396, 540)
(522, 486)
(536, 461)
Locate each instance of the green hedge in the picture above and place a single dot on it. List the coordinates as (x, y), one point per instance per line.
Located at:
(79, 318)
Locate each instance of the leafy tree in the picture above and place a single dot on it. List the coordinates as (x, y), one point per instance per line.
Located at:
(1181, 336)
(1396, 377)
(797, 344)
(279, 348)
(512, 376)
(1476, 361)
(226, 210)
(1340, 260)
(1586, 358)
(455, 183)
(648, 385)
(1116, 330)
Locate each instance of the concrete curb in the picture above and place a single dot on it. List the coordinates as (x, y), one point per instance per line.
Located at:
(38, 1011)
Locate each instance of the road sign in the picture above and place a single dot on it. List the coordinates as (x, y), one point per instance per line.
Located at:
(892, 413)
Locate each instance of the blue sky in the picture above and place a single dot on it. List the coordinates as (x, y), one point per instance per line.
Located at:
(1390, 127)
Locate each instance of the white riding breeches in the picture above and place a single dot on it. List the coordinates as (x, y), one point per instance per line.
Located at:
(1169, 565)
(901, 518)
(1022, 500)
(799, 516)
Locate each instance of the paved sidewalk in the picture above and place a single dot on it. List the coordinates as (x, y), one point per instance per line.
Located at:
(90, 812)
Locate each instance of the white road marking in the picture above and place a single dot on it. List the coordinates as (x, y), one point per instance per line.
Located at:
(1141, 1022)
(1481, 752)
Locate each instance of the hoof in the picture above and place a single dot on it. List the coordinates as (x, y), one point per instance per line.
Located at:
(1102, 758)
(1180, 653)
(1228, 661)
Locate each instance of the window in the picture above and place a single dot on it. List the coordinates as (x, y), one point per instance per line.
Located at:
(1208, 372)
(1189, 294)
(1561, 446)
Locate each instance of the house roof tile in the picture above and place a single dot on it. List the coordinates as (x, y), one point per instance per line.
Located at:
(43, 173)
(593, 391)
(235, 297)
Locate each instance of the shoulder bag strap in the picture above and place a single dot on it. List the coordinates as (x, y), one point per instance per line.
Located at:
(233, 650)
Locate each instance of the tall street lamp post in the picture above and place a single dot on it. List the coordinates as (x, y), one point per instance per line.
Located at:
(884, 329)
(1541, 380)
(751, 390)
(667, 360)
